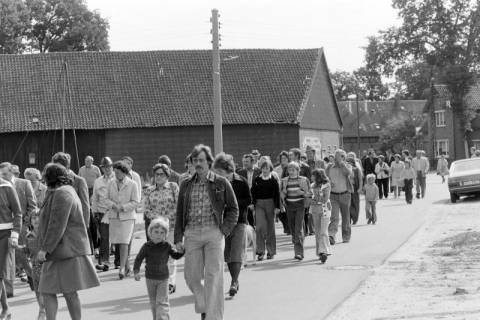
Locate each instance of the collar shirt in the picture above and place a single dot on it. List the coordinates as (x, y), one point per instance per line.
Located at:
(161, 201)
(421, 164)
(100, 193)
(338, 179)
(200, 213)
(382, 170)
(250, 177)
(90, 174)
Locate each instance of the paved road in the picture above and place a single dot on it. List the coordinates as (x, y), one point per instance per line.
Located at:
(277, 289)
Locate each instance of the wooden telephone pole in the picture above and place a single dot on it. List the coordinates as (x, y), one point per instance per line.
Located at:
(217, 89)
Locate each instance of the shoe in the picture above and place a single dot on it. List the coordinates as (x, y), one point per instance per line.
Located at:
(42, 315)
(6, 315)
(270, 256)
(346, 240)
(233, 289)
(369, 221)
(99, 267)
(172, 288)
(332, 240)
(203, 316)
(261, 256)
(418, 195)
(323, 257)
(127, 273)
(121, 274)
(298, 257)
(30, 283)
(9, 295)
(374, 222)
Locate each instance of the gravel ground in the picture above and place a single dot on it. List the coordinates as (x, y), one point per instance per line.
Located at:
(435, 275)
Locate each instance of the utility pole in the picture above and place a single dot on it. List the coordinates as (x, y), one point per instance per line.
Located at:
(358, 129)
(217, 89)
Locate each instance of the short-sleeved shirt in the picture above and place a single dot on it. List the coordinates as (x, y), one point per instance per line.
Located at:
(90, 174)
(200, 213)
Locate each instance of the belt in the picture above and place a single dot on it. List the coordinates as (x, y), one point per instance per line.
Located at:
(338, 193)
(6, 226)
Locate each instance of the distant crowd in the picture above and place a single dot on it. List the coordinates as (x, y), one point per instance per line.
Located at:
(52, 223)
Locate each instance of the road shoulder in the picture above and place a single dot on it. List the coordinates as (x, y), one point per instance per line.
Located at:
(433, 275)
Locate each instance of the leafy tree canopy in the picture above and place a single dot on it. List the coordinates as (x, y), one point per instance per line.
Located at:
(51, 25)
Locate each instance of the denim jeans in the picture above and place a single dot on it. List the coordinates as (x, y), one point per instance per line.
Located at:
(408, 186)
(371, 210)
(354, 207)
(295, 215)
(265, 228)
(204, 248)
(321, 219)
(158, 294)
(104, 249)
(421, 184)
(340, 204)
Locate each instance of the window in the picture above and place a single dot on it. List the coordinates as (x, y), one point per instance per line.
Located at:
(441, 146)
(476, 144)
(440, 118)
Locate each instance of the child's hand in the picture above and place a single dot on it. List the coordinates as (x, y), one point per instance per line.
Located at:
(137, 277)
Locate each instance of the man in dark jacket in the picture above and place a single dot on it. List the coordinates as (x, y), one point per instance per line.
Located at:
(250, 172)
(207, 212)
(369, 164)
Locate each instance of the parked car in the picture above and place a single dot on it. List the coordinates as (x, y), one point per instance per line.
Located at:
(464, 178)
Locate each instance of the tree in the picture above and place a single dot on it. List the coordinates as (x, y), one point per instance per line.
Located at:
(344, 84)
(66, 25)
(412, 81)
(366, 81)
(400, 132)
(14, 24)
(443, 35)
(370, 76)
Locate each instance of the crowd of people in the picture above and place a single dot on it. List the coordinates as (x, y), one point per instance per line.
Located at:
(55, 220)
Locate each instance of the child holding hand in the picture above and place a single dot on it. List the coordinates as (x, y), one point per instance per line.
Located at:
(156, 251)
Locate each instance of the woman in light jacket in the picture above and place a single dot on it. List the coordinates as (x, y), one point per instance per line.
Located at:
(122, 200)
(396, 169)
(64, 245)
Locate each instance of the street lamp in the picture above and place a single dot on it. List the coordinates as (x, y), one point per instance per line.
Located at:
(351, 97)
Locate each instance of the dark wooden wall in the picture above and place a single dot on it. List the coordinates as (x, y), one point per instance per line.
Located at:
(16, 147)
(146, 145)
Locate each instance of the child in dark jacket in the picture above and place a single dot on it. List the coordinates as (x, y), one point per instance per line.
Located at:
(156, 251)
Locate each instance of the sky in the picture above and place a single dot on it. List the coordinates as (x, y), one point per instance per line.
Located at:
(341, 27)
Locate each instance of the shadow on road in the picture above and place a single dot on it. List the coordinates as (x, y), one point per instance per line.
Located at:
(119, 306)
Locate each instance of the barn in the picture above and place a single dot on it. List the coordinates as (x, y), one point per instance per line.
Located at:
(145, 104)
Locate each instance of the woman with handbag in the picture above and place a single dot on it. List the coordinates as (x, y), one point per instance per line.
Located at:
(64, 245)
(122, 200)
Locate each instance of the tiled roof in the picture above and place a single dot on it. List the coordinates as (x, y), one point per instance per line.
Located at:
(152, 89)
(375, 114)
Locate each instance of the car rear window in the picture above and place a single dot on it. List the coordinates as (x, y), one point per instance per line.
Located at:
(467, 165)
